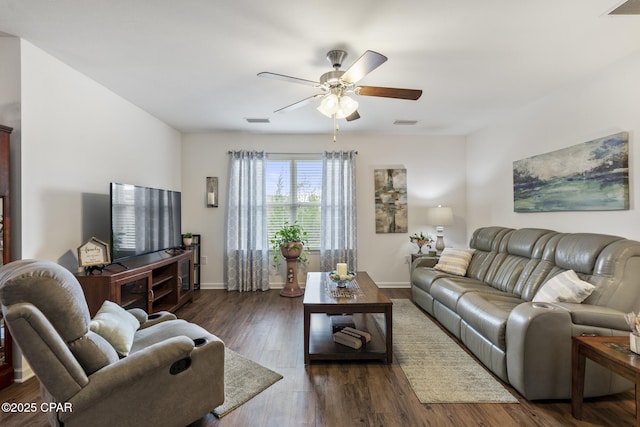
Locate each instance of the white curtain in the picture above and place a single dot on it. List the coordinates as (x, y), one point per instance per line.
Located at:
(247, 246)
(338, 228)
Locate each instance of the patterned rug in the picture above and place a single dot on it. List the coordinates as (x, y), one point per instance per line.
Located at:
(438, 370)
(243, 379)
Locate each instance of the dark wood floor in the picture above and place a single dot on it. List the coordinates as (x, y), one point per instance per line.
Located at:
(268, 329)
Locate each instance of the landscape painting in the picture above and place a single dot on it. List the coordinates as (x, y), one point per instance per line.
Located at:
(590, 176)
(391, 200)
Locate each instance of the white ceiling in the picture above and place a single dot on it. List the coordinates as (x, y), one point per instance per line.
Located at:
(193, 63)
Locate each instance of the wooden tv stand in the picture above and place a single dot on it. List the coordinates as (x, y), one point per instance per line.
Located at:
(154, 282)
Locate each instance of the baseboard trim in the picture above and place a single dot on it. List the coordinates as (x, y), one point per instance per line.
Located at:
(24, 374)
(381, 285)
(393, 285)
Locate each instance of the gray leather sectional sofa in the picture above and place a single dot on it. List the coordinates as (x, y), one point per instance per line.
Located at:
(528, 344)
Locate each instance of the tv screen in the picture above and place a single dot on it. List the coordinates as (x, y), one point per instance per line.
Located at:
(143, 220)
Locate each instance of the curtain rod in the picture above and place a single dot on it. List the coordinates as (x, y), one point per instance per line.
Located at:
(288, 154)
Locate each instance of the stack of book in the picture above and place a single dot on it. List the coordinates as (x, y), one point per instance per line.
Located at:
(338, 323)
(352, 337)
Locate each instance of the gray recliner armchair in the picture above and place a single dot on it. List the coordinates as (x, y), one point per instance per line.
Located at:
(172, 376)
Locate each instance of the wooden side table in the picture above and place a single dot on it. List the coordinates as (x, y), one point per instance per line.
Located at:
(611, 352)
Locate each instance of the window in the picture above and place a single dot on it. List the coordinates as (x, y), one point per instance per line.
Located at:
(294, 193)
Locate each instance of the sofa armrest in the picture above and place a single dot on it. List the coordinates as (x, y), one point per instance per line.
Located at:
(423, 262)
(538, 339)
(595, 316)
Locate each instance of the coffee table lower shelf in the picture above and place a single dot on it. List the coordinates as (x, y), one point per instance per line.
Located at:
(322, 347)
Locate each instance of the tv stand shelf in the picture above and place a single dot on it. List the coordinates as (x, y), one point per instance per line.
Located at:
(154, 282)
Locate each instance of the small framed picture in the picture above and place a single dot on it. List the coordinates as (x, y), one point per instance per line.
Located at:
(94, 252)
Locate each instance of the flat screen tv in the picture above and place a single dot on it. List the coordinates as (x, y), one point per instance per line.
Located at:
(143, 220)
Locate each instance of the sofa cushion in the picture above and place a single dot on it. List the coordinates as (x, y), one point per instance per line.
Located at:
(565, 287)
(93, 352)
(487, 313)
(454, 261)
(528, 242)
(579, 251)
(116, 325)
(423, 277)
(488, 239)
(448, 290)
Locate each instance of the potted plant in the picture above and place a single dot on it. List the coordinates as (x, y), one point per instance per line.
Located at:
(187, 239)
(288, 242)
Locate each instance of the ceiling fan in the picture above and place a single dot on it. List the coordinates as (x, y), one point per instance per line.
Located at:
(336, 85)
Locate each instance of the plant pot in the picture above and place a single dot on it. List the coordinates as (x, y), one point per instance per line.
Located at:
(291, 250)
(187, 241)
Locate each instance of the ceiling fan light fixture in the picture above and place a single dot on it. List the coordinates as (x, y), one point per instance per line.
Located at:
(329, 105)
(338, 106)
(347, 107)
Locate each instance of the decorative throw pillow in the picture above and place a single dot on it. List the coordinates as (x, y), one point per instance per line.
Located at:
(454, 261)
(565, 287)
(116, 325)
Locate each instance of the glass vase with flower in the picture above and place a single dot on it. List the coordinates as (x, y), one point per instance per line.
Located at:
(421, 240)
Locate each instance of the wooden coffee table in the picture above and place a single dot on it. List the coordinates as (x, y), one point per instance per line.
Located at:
(361, 299)
(613, 353)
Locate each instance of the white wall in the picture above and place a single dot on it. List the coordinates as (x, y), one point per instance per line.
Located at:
(435, 175)
(77, 136)
(601, 105)
(71, 137)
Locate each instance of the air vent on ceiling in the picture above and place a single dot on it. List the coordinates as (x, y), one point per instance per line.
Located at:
(629, 7)
(405, 122)
(257, 120)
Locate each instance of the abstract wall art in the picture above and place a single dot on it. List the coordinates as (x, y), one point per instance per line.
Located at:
(391, 200)
(590, 176)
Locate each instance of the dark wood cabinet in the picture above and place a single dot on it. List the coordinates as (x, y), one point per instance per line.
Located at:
(6, 363)
(154, 282)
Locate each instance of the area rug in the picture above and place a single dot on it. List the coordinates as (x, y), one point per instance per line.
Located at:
(438, 370)
(243, 380)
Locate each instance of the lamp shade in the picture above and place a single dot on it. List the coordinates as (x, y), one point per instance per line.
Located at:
(330, 105)
(441, 215)
(341, 106)
(347, 107)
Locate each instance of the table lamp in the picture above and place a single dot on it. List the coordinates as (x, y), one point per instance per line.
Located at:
(440, 217)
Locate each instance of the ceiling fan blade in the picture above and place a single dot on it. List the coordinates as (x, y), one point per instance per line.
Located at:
(288, 79)
(353, 116)
(299, 104)
(389, 92)
(368, 62)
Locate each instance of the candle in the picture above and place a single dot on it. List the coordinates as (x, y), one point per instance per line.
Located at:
(341, 269)
(211, 198)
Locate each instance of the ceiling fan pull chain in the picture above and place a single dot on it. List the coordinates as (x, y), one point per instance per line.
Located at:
(336, 128)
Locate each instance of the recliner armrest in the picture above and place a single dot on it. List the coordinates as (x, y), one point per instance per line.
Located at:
(147, 320)
(149, 372)
(133, 368)
(593, 315)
